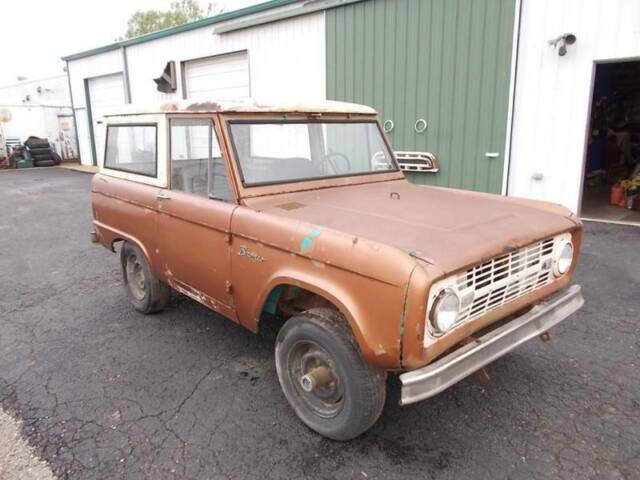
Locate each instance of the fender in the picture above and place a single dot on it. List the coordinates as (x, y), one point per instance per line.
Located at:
(108, 236)
(376, 345)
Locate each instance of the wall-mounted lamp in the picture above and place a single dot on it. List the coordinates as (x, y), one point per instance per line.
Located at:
(562, 41)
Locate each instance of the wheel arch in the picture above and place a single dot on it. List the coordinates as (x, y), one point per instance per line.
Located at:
(109, 236)
(334, 294)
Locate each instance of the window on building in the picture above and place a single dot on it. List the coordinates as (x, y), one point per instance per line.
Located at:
(196, 162)
(132, 148)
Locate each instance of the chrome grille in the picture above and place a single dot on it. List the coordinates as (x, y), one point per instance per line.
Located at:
(498, 281)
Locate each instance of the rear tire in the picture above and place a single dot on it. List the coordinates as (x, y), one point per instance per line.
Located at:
(146, 293)
(332, 389)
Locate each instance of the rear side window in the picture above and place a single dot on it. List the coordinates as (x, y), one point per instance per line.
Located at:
(133, 149)
(197, 166)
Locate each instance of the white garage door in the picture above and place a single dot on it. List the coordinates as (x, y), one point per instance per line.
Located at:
(104, 93)
(221, 77)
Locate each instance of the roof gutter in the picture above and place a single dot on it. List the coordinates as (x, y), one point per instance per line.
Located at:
(125, 71)
(293, 10)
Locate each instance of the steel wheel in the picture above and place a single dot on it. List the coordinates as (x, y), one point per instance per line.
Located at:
(136, 279)
(326, 381)
(145, 291)
(314, 375)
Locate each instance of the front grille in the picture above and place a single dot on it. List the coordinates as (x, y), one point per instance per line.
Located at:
(496, 282)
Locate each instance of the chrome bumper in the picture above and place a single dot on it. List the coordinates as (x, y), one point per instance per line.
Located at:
(437, 376)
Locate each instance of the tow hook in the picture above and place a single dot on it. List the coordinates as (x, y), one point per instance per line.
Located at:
(483, 376)
(545, 337)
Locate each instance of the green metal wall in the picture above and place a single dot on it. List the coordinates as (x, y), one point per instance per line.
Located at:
(447, 61)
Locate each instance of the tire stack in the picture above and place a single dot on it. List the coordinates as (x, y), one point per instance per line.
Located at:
(42, 152)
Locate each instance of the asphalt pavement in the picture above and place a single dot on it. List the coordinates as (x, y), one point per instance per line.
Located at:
(104, 392)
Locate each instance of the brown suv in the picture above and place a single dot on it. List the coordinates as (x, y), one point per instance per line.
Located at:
(299, 217)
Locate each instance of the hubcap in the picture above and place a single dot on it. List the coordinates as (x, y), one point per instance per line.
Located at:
(135, 277)
(315, 378)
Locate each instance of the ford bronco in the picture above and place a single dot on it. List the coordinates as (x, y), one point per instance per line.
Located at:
(298, 216)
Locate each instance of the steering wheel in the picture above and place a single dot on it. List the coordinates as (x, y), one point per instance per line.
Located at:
(333, 165)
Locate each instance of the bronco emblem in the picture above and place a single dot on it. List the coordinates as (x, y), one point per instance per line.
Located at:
(245, 252)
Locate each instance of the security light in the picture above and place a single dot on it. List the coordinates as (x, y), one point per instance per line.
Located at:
(562, 41)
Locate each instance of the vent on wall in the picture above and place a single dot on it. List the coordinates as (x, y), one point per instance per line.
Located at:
(417, 162)
(166, 83)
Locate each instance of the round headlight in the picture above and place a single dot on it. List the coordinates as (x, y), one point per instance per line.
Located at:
(445, 311)
(563, 258)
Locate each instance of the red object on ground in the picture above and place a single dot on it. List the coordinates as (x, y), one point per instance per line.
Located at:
(617, 197)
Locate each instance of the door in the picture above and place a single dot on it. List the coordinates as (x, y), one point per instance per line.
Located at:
(104, 93)
(195, 216)
(84, 137)
(217, 78)
(438, 73)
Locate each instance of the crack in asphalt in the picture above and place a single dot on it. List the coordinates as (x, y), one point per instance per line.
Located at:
(104, 392)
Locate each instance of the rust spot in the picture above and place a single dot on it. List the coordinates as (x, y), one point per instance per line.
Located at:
(169, 107)
(291, 205)
(203, 107)
(509, 248)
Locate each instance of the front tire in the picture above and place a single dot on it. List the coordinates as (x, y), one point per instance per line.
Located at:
(146, 293)
(332, 389)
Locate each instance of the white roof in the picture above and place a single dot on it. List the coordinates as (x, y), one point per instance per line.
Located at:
(249, 105)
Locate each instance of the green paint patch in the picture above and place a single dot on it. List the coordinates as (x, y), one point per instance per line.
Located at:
(272, 301)
(307, 242)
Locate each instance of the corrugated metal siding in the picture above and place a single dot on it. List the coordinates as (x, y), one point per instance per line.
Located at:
(286, 60)
(90, 67)
(447, 61)
(40, 116)
(553, 94)
(220, 76)
(98, 65)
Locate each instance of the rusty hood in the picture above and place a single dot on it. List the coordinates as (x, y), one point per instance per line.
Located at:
(447, 228)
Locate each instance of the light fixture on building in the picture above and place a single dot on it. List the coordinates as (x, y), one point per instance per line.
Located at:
(166, 83)
(562, 41)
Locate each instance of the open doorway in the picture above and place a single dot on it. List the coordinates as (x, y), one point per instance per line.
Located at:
(611, 190)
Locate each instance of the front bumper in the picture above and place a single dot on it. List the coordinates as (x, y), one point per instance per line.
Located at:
(432, 379)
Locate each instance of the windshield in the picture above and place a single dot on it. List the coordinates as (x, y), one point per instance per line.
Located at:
(281, 152)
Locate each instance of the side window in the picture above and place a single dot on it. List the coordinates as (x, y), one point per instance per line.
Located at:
(132, 148)
(196, 162)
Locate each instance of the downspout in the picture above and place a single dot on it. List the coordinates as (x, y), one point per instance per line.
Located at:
(92, 137)
(512, 96)
(73, 112)
(125, 69)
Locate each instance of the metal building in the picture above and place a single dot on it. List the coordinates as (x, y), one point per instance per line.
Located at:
(474, 82)
(41, 108)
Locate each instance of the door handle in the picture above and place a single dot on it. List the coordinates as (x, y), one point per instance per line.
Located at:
(492, 155)
(162, 196)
